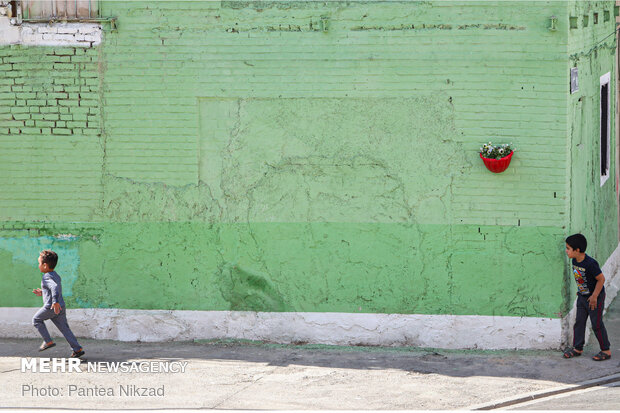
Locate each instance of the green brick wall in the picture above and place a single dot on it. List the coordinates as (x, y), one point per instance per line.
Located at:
(304, 156)
(50, 123)
(592, 49)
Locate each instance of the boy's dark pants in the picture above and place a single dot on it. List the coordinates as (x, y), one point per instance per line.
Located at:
(596, 319)
(59, 320)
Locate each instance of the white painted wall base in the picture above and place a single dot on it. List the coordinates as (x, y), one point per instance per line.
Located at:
(438, 331)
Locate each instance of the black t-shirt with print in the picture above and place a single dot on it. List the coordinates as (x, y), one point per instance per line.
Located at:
(585, 273)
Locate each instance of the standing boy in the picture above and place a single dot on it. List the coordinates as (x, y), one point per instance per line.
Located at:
(53, 305)
(590, 298)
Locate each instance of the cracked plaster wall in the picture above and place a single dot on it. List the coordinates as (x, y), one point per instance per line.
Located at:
(266, 168)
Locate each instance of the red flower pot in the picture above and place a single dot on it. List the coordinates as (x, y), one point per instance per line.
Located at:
(497, 165)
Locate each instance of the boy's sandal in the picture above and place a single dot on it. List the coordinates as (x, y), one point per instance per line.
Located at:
(570, 353)
(77, 354)
(601, 356)
(45, 346)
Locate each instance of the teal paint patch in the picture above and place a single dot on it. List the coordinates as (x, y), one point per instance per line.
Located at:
(26, 251)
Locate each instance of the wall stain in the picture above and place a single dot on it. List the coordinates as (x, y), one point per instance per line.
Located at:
(248, 290)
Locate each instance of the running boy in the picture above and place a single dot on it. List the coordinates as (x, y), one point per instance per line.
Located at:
(590, 298)
(53, 305)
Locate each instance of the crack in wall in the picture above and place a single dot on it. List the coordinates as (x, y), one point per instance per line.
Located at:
(260, 155)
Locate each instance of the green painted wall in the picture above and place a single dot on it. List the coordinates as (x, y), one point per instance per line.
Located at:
(592, 49)
(50, 118)
(296, 156)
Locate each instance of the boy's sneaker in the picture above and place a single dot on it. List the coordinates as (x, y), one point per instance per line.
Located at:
(77, 354)
(45, 345)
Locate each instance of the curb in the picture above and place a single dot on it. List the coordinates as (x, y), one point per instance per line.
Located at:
(546, 393)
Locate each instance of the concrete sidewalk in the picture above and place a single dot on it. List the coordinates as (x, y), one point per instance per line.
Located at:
(239, 375)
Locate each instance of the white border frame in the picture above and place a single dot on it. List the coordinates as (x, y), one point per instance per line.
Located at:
(605, 80)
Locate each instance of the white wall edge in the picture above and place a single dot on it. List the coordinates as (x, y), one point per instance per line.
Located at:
(611, 271)
(436, 331)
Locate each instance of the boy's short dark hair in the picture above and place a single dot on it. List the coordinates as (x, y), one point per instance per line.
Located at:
(50, 258)
(577, 242)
